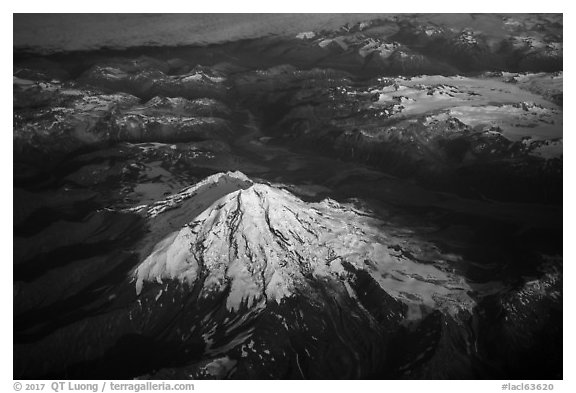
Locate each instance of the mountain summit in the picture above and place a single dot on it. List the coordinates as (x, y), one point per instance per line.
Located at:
(263, 244)
(264, 267)
(239, 279)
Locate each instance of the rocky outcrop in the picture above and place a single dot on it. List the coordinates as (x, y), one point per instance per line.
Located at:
(547, 85)
(68, 118)
(53, 120)
(40, 69)
(173, 120)
(520, 44)
(148, 78)
(413, 45)
(178, 106)
(528, 333)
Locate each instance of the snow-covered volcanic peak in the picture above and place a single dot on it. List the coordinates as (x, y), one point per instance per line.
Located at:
(259, 245)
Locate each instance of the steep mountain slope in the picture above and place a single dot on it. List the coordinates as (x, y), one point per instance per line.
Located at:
(245, 280)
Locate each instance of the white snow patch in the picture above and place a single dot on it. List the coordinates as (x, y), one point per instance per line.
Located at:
(306, 35)
(171, 259)
(244, 289)
(220, 367)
